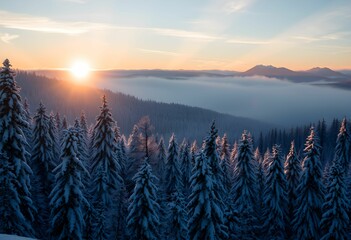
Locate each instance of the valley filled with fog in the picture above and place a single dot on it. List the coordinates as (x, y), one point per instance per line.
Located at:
(267, 99)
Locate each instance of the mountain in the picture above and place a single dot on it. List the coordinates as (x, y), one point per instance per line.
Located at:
(70, 99)
(326, 72)
(313, 75)
(269, 71)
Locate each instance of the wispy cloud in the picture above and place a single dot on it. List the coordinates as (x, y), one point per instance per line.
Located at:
(7, 38)
(232, 6)
(248, 42)
(325, 37)
(184, 34)
(158, 52)
(76, 1)
(43, 24)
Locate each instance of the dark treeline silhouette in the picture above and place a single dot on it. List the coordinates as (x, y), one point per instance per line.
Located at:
(61, 179)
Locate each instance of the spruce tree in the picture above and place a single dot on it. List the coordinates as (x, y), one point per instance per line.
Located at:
(234, 158)
(54, 137)
(275, 199)
(135, 157)
(67, 198)
(84, 126)
(211, 153)
(176, 218)
(143, 219)
(261, 184)
(42, 163)
(193, 151)
(335, 221)
(342, 147)
(206, 220)
(161, 161)
(293, 174)
(121, 197)
(226, 165)
(104, 159)
(310, 192)
(245, 190)
(186, 167)
(15, 172)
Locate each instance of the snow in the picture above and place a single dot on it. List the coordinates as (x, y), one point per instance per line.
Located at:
(13, 237)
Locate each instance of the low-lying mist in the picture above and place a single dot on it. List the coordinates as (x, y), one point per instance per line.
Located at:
(261, 98)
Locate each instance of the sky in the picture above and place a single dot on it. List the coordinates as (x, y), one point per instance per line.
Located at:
(181, 34)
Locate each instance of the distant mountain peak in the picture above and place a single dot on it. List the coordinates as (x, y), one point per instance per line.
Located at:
(325, 72)
(269, 70)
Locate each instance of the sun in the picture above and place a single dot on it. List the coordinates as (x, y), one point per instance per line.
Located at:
(80, 69)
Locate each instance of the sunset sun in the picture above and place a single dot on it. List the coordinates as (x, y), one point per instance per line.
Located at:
(80, 69)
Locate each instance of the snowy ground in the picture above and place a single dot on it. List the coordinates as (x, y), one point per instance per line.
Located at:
(13, 237)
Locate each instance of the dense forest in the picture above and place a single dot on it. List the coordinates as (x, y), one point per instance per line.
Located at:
(77, 179)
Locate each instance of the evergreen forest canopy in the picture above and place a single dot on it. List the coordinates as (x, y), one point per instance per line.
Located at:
(64, 179)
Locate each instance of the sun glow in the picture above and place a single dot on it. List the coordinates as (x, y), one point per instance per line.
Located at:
(80, 69)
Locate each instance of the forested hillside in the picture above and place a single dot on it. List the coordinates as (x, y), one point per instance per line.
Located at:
(62, 179)
(69, 99)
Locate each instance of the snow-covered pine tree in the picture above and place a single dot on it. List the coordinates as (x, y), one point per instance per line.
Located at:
(261, 183)
(335, 221)
(266, 160)
(227, 184)
(193, 151)
(186, 167)
(176, 219)
(275, 199)
(54, 137)
(143, 217)
(67, 198)
(342, 147)
(42, 163)
(172, 172)
(161, 161)
(120, 202)
(104, 159)
(310, 192)
(234, 156)
(58, 123)
(245, 190)
(206, 220)
(211, 153)
(82, 146)
(226, 165)
(135, 157)
(14, 155)
(293, 173)
(84, 126)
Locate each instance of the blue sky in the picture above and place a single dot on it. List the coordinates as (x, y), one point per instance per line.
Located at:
(225, 34)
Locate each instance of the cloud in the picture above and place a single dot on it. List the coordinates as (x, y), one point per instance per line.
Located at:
(158, 52)
(248, 42)
(76, 1)
(324, 37)
(232, 6)
(43, 24)
(7, 38)
(184, 34)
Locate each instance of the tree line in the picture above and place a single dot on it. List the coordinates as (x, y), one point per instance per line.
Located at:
(63, 181)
